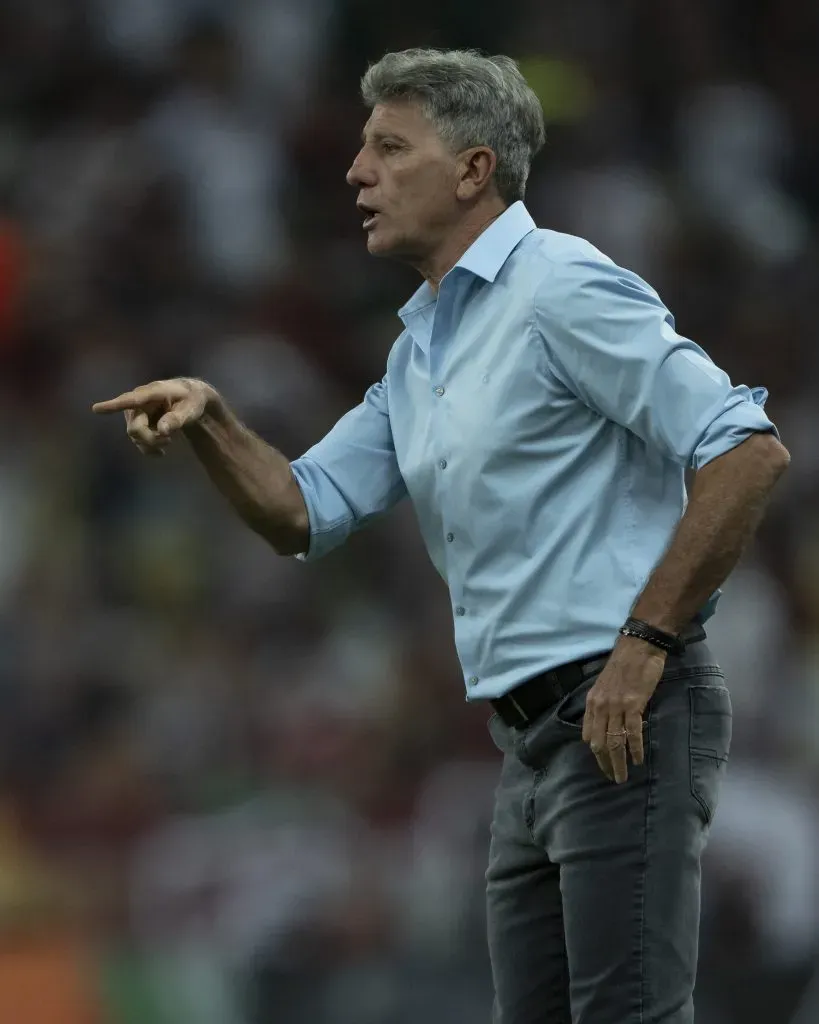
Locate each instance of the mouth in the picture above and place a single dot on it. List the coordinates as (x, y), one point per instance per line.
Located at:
(370, 215)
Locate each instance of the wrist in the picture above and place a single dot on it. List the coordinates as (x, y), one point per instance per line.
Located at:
(214, 415)
(637, 649)
(215, 406)
(662, 640)
(648, 612)
(663, 624)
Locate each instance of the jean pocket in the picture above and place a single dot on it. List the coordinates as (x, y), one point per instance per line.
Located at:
(709, 744)
(498, 732)
(571, 709)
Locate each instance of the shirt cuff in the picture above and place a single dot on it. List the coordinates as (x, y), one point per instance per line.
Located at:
(325, 534)
(742, 416)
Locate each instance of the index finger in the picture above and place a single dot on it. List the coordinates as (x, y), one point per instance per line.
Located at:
(128, 400)
(144, 395)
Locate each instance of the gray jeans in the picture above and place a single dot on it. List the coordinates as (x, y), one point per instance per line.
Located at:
(593, 889)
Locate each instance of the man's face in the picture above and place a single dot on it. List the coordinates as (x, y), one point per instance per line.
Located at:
(406, 178)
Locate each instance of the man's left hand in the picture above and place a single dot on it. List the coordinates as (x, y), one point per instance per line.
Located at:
(613, 723)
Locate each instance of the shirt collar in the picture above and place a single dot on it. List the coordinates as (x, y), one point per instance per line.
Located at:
(493, 247)
(487, 254)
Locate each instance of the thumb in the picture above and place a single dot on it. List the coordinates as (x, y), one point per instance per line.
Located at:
(181, 414)
(168, 424)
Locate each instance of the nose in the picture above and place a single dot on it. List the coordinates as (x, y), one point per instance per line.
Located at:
(361, 173)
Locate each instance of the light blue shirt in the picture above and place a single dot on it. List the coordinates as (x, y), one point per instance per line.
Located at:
(540, 414)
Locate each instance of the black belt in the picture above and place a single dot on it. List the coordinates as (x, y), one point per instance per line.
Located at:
(531, 699)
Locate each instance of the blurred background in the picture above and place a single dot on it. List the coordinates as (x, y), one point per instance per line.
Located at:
(235, 789)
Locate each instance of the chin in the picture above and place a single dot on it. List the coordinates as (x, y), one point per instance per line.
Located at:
(379, 243)
(383, 243)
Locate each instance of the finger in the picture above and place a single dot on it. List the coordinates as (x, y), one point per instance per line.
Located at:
(616, 745)
(128, 400)
(140, 429)
(588, 720)
(592, 721)
(603, 759)
(183, 413)
(634, 728)
(153, 445)
(598, 726)
(598, 716)
(145, 394)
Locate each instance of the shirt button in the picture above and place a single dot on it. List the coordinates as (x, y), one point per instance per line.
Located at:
(460, 610)
(473, 680)
(450, 537)
(439, 391)
(442, 463)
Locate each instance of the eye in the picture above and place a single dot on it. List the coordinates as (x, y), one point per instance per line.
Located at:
(389, 147)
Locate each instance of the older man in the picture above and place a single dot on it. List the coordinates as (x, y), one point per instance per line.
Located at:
(540, 411)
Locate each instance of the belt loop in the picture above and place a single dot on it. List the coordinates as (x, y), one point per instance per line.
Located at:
(517, 707)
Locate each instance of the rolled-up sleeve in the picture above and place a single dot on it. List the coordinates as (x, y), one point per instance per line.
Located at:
(351, 475)
(611, 341)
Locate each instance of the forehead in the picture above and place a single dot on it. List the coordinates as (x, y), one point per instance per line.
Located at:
(399, 117)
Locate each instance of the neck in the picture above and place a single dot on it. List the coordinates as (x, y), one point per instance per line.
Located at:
(444, 258)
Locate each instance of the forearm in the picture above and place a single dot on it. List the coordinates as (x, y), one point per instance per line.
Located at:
(725, 506)
(254, 477)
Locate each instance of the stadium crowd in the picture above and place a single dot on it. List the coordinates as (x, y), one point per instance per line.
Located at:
(184, 714)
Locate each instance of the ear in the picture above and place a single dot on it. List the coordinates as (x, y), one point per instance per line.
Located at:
(476, 167)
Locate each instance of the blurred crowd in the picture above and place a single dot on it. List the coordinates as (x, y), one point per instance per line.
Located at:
(235, 789)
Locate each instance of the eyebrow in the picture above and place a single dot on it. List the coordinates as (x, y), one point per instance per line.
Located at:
(379, 136)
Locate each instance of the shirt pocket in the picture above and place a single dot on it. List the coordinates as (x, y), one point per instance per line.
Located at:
(709, 742)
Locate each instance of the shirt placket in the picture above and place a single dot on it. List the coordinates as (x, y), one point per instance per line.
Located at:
(442, 338)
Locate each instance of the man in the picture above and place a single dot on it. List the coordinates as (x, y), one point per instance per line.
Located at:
(540, 411)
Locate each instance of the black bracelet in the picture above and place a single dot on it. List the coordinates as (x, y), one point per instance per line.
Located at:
(667, 642)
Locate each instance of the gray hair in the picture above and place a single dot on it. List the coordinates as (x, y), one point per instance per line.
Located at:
(472, 100)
